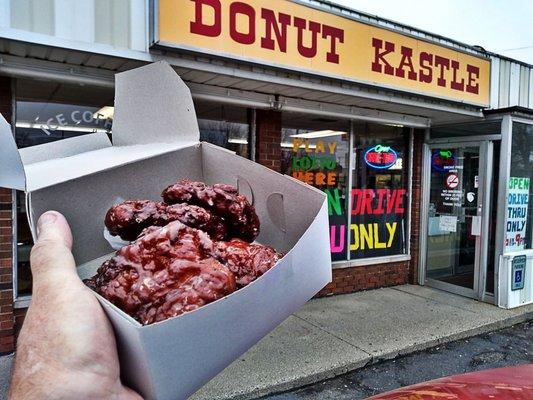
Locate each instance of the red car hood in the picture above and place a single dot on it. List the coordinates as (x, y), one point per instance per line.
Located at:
(513, 383)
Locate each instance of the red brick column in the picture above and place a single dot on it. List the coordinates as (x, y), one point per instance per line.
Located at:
(268, 139)
(6, 274)
(416, 200)
(7, 342)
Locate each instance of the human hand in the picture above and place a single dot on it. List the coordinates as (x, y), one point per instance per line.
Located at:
(66, 348)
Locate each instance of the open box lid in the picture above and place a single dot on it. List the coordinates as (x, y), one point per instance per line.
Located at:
(154, 114)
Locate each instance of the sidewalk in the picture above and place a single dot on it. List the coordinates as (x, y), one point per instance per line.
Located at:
(333, 335)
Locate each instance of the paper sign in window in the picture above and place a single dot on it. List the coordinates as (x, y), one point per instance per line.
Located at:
(448, 223)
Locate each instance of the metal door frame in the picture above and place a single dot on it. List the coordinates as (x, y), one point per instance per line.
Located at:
(485, 182)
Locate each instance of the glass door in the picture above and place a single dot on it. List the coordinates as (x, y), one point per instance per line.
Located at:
(456, 249)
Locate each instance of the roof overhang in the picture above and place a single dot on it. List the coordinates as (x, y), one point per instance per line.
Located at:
(216, 79)
(517, 111)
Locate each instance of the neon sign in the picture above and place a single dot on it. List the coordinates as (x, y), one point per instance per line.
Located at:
(443, 160)
(381, 157)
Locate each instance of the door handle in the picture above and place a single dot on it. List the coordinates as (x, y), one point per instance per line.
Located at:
(475, 229)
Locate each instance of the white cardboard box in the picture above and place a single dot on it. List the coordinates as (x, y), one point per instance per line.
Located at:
(156, 143)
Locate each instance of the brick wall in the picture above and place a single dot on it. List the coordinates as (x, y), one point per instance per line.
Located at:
(415, 205)
(6, 260)
(268, 138)
(19, 315)
(6, 274)
(364, 277)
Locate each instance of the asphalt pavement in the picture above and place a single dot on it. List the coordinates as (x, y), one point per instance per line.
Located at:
(504, 348)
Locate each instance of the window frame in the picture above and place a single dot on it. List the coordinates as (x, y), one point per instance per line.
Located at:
(500, 254)
(511, 121)
(22, 301)
(354, 262)
(19, 301)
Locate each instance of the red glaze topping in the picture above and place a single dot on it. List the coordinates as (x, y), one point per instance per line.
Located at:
(223, 200)
(172, 268)
(130, 218)
(247, 261)
(163, 274)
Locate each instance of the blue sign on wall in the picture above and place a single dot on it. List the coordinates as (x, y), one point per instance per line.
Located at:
(518, 271)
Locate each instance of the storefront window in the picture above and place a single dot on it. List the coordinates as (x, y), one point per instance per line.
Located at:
(379, 193)
(231, 135)
(41, 122)
(518, 235)
(24, 244)
(374, 223)
(319, 157)
(47, 112)
(225, 126)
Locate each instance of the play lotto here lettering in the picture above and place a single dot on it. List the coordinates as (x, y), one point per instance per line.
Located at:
(295, 36)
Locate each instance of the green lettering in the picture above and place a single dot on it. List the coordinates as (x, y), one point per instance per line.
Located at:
(334, 201)
(519, 183)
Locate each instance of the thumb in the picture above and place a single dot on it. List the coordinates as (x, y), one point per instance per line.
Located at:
(51, 258)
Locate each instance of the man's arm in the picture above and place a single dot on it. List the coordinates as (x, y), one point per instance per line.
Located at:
(66, 348)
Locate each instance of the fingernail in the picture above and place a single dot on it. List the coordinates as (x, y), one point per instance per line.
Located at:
(46, 219)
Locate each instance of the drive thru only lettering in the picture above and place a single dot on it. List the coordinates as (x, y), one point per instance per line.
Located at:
(368, 202)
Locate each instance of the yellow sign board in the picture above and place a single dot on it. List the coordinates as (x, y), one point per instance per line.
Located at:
(294, 36)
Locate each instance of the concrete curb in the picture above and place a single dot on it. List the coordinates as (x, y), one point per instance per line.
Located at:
(302, 381)
(479, 330)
